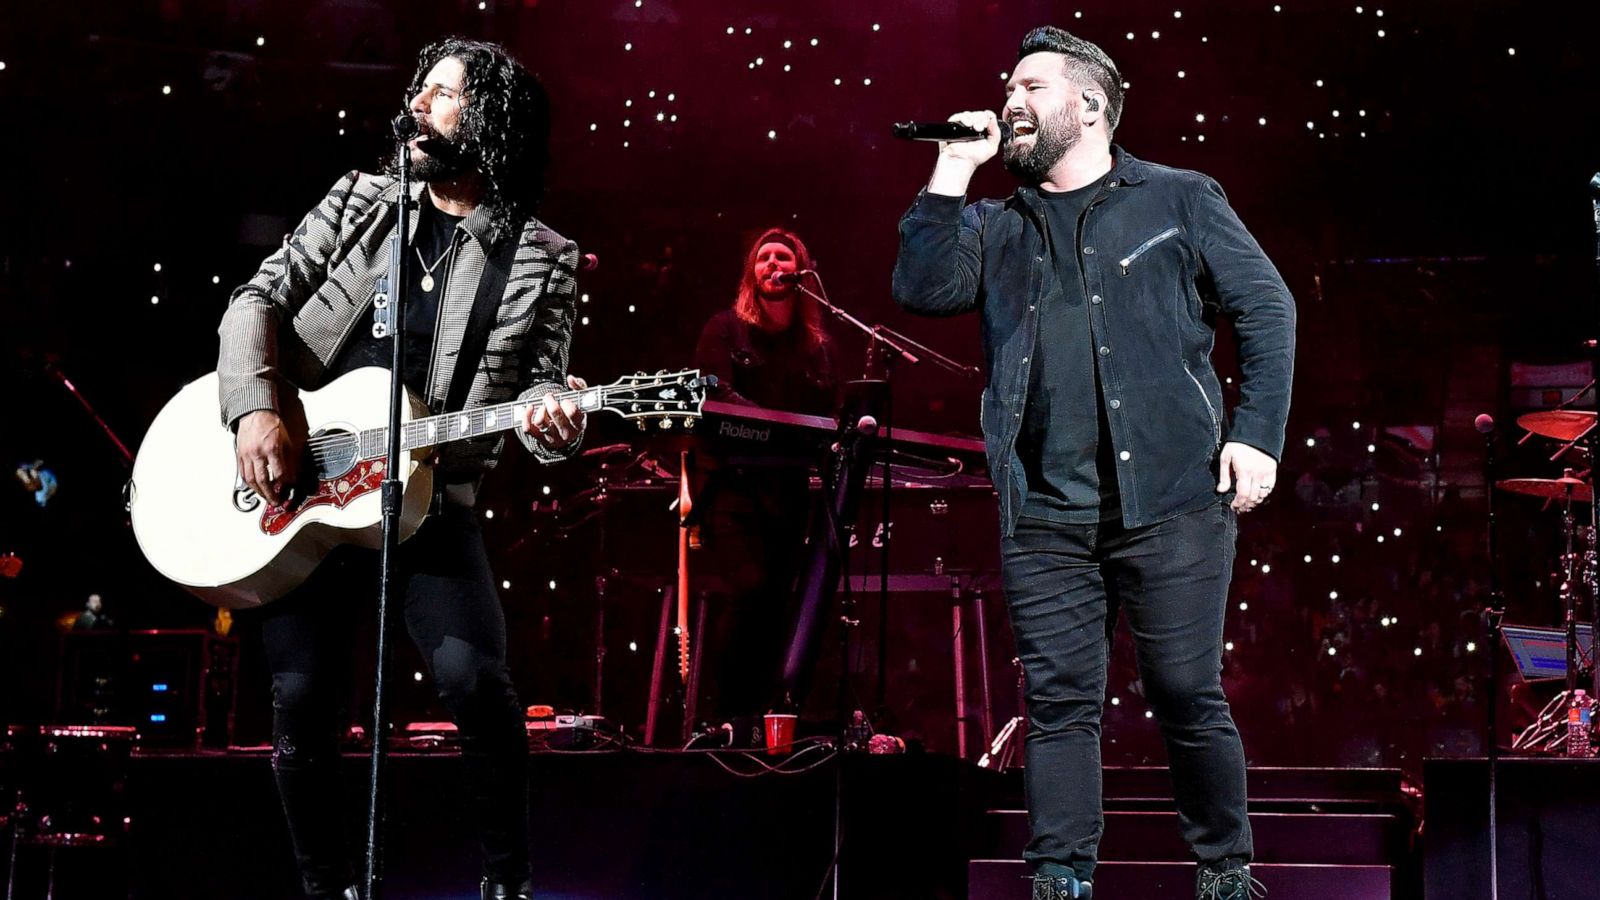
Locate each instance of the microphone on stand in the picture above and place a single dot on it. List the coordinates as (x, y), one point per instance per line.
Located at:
(405, 126)
(791, 277)
(1484, 423)
(866, 426)
(946, 131)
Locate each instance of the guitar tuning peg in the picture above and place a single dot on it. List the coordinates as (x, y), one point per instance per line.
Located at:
(640, 423)
(661, 371)
(688, 422)
(666, 423)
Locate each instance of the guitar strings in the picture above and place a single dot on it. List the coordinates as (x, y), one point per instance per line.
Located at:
(330, 447)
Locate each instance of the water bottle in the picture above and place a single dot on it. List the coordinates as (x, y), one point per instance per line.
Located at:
(858, 732)
(1580, 715)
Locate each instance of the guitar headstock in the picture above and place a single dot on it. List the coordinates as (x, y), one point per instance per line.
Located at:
(671, 398)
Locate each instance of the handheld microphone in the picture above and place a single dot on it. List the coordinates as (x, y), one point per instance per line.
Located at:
(945, 131)
(791, 277)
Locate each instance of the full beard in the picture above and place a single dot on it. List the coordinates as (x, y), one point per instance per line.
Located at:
(1052, 139)
(440, 159)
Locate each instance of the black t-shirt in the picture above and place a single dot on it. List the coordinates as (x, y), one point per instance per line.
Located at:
(429, 263)
(776, 370)
(1067, 481)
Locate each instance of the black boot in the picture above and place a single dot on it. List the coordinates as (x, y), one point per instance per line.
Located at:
(493, 890)
(1228, 880)
(1061, 887)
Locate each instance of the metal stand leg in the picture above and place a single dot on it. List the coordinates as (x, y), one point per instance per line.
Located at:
(11, 865)
(1006, 750)
(599, 646)
(691, 691)
(958, 651)
(653, 711)
(978, 614)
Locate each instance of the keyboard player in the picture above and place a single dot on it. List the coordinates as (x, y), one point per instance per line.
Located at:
(769, 349)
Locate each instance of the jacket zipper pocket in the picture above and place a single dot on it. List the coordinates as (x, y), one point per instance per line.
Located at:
(1128, 260)
(1216, 426)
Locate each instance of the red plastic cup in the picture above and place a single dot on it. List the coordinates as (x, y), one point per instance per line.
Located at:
(780, 733)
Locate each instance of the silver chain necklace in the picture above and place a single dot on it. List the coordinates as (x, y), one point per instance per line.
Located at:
(427, 270)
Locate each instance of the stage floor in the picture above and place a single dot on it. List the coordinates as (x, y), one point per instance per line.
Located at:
(620, 824)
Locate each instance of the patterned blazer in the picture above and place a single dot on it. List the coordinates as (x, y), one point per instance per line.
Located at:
(287, 325)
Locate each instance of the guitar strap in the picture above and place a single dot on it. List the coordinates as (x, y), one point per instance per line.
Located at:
(491, 288)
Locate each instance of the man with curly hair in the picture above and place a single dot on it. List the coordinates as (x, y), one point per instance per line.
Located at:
(490, 320)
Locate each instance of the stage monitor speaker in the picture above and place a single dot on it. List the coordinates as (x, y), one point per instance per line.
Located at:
(177, 688)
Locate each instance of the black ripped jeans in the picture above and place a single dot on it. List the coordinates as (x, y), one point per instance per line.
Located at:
(1171, 578)
(452, 612)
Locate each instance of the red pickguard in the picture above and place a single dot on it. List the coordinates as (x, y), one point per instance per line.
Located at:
(365, 478)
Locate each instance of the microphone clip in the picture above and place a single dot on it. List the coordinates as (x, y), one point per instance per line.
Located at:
(383, 323)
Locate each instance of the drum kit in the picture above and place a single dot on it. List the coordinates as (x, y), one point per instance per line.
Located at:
(1572, 493)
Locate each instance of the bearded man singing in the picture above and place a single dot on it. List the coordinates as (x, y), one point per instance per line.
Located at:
(489, 321)
(1119, 474)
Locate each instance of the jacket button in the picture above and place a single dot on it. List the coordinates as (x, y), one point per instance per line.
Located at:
(1024, 359)
(1088, 251)
(1038, 259)
(1095, 299)
(1125, 456)
(1105, 351)
(1116, 404)
(1032, 307)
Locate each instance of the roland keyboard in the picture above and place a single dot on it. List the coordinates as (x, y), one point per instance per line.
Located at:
(751, 435)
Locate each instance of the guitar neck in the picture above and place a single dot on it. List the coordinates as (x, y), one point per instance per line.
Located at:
(471, 423)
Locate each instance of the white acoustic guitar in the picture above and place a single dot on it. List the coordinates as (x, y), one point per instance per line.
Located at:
(200, 526)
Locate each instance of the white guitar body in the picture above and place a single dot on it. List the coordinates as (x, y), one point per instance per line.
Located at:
(199, 526)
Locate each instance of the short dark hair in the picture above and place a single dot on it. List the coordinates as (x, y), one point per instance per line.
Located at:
(1085, 62)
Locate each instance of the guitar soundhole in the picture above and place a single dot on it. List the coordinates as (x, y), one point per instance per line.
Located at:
(333, 453)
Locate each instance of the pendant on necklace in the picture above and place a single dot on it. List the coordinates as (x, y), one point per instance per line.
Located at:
(427, 282)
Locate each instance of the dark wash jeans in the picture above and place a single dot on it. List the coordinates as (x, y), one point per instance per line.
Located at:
(452, 612)
(1171, 578)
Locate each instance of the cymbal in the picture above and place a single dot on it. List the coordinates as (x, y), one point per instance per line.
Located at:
(1549, 488)
(1561, 424)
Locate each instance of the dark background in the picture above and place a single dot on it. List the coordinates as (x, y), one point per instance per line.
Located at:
(1431, 242)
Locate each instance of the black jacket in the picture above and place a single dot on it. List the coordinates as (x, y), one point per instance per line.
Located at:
(1162, 254)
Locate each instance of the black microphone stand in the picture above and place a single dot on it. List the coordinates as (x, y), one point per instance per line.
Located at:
(1492, 614)
(1592, 444)
(885, 346)
(389, 319)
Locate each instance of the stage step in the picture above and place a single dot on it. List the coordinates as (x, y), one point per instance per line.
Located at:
(1265, 784)
(1326, 838)
(993, 879)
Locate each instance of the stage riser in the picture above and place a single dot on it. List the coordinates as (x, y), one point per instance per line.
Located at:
(1549, 828)
(1006, 880)
(605, 826)
(1305, 838)
(1306, 785)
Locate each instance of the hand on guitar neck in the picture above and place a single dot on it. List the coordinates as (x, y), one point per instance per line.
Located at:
(555, 423)
(269, 455)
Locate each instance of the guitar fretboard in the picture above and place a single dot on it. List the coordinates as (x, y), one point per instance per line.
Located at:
(471, 423)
